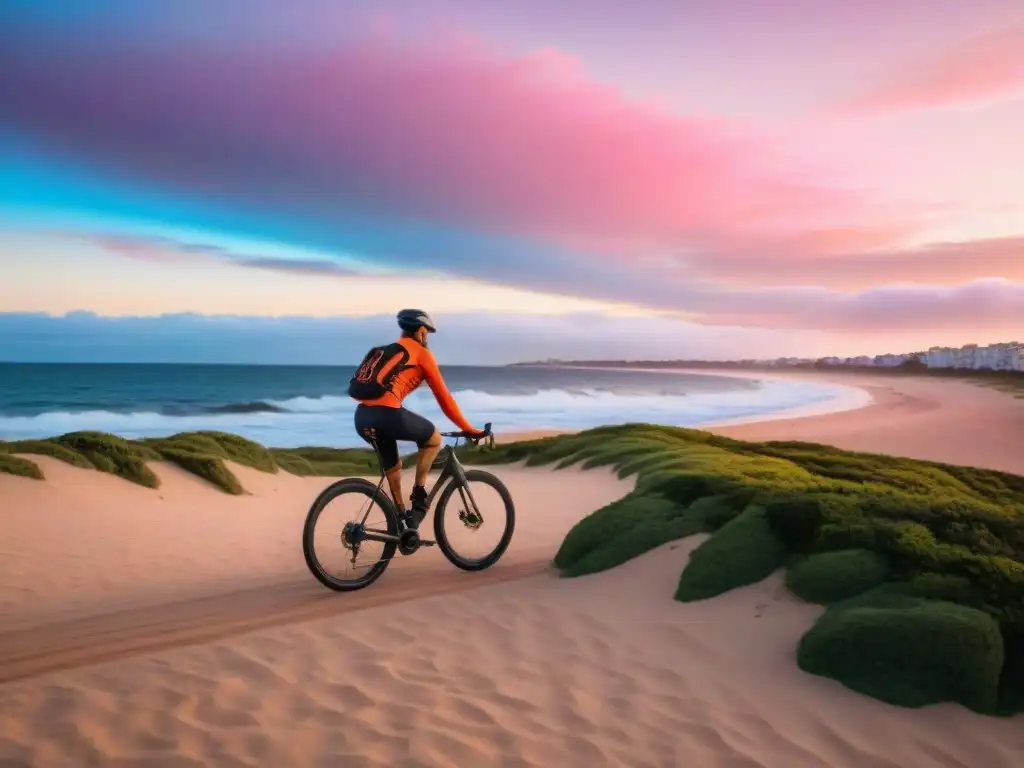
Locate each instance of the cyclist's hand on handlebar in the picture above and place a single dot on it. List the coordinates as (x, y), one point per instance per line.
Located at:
(482, 434)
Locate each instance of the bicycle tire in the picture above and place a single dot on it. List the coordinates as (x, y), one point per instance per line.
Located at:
(353, 485)
(474, 475)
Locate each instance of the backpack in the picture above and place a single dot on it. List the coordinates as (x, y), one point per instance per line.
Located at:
(377, 371)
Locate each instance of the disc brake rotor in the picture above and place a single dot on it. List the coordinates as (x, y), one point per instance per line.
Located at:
(470, 519)
(347, 537)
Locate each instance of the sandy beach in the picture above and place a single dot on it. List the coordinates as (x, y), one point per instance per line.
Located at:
(948, 420)
(179, 627)
(920, 417)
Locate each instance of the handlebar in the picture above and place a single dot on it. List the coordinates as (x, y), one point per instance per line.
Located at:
(474, 438)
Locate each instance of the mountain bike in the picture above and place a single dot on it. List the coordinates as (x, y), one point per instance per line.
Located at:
(454, 484)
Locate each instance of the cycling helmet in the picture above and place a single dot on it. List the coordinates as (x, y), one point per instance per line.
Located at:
(412, 319)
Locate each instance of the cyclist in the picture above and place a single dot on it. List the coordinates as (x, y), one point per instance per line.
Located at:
(384, 379)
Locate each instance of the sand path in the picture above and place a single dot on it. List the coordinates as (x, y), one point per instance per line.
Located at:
(95, 568)
(604, 670)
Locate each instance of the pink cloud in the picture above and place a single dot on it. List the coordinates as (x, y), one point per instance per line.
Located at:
(456, 134)
(983, 306)
(714, 221)
(771, 294)
(844, 268)
(987, 67)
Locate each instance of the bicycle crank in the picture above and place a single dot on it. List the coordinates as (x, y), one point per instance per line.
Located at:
(409, 541)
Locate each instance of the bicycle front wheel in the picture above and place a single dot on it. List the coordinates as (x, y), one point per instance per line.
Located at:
(350, 535)
(474, 521)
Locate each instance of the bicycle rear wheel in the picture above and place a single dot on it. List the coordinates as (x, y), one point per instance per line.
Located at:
(470, 515)
(369, 522)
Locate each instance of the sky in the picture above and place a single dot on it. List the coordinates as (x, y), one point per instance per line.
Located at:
(256, 181)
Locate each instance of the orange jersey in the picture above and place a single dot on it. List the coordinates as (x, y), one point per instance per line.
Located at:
(421, 366)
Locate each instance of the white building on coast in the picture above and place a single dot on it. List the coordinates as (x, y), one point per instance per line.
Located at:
(1008, 356)
(1005, 356)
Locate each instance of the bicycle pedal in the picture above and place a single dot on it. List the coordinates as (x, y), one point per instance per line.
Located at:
(427, 543)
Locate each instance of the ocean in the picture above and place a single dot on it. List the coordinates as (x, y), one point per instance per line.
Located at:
(290, 406)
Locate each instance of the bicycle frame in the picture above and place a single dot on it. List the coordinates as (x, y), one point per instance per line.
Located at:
(451, 471)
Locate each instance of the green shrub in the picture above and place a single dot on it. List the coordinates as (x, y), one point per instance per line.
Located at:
(659, 459)
(565, 463)
(940, 586)
(829, 577)
(550, 453)
(798, 517)
(243, 451)
(331, 462)
(1011, 687)
(211, 468)
(716, 511)
(15, 465)
(220, 445)
(136, 471)
(293, 463)
(623, 530)
(112, 454)
(102, 462)
(908, 652)
(602, 528)
(202, 453)
(52, 449)
(744, 551)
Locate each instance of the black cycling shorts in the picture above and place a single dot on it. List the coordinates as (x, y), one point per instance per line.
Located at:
(386, 426)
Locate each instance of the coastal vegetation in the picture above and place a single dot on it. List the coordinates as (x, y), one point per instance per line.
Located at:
(918, 566)
(201, 453)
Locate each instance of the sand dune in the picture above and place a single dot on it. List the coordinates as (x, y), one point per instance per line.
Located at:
(601, 670)
(83, 542)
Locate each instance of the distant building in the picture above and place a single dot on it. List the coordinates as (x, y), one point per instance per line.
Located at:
(1004, 356)
(890, 361)
(1016, 356)
(941, 357)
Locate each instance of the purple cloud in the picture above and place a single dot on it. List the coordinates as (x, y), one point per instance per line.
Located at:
(448, 132)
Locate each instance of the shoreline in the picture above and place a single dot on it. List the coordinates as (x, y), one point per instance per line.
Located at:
(941, 419)
(294, 422)
(911, 416)
(847, 398)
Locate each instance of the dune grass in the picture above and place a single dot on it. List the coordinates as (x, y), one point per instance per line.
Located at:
(201, 453)
(48, 448)
(905, 553)
(15, 465)
(332, 462)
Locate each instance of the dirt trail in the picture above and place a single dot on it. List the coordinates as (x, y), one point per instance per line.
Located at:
(104, 637)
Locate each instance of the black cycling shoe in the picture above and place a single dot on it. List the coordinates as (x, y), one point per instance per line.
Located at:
(405, 517)
(418, 506)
